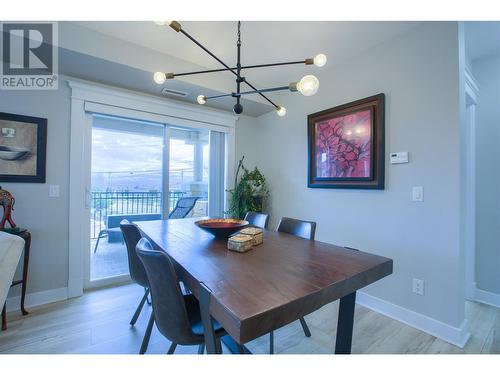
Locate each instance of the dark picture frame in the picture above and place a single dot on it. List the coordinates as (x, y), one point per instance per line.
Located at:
(346, 145)
(23, 141)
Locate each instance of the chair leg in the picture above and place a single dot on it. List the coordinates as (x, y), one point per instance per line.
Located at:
(147, 334)
(171, 350)
(139, 308)
(305, 327)
(271, 342)
(148, 299)
(102, 234)
(201, 349)
(97, 243)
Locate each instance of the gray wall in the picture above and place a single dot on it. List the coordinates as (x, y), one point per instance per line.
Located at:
(246, 141)
(46, 218)
(418, 72)
(487, 73)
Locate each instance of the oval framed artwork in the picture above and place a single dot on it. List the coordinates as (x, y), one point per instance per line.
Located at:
(346, 145)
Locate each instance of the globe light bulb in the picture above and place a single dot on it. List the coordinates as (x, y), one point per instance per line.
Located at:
(319, 60)
(281, 111)
(201, 99)
(308, 85)
(163, 23)
(159, 77)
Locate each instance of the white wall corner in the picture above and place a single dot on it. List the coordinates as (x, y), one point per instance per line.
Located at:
(486, 297)
(37, 299)
(457, 336)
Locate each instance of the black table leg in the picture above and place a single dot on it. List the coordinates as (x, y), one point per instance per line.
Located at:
(213, 343)
(4, 317)
(233, 346)
(27, 247)
(345, 324)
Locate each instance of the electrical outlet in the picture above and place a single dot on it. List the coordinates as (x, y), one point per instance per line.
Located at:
(418, 287)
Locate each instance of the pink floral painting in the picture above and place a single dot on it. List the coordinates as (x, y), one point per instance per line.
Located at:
(344, 146)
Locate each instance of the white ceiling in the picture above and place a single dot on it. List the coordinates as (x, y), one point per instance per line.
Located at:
(263, 42)
(482, 39)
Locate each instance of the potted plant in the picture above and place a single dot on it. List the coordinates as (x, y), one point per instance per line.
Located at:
(249, 192)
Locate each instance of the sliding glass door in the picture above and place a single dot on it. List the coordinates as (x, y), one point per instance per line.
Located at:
(188, 167)
(127, 183)
(139, 171)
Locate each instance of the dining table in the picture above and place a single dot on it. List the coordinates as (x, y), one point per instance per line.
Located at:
(277, 282)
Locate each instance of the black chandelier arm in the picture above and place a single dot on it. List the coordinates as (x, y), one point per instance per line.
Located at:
(237, 95)
(242, 68)
(226, 66)
(261, 94)
(210, 53)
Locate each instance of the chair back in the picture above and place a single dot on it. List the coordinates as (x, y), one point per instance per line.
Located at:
(183, 207)
(169, 309)
(299, 228)
(132, 235)
(257, 219)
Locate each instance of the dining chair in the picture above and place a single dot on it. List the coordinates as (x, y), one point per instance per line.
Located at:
(132, 235)
(183, 207)
(177, 316)
(303, 229)
(257, 219)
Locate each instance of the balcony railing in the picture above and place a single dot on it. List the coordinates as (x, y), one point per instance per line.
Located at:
(104, 204)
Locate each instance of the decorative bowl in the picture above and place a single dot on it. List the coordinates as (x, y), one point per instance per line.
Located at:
(222, 228)
(13, 153)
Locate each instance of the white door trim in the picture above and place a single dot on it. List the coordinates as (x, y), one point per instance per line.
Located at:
(471, 93)
(85, 94)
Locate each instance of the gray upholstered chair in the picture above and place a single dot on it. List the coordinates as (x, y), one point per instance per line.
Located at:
(177, 316)
(183, 207)
(257, 219)
(132, 235)
(303, 229)
(299, 228)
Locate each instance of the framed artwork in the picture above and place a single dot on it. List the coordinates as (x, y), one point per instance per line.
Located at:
(23, 143)
(346, 145)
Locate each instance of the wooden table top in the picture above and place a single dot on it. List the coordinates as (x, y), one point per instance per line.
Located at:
(269, 286)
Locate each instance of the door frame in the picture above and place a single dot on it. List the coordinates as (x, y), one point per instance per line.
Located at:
(471, 94)
(87, 98)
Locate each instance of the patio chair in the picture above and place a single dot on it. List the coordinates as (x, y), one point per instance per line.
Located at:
(103, 233)
(183, 207)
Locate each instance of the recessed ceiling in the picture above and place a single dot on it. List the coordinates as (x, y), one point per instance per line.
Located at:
(263, 42)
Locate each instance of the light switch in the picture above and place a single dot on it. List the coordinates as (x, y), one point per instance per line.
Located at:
(418, 193)
(54, 191)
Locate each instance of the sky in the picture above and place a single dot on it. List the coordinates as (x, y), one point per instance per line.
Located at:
(131, 161)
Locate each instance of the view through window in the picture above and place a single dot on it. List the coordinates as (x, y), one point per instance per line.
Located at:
(127, 180)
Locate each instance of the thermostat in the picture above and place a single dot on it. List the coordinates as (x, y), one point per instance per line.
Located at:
(399, 157)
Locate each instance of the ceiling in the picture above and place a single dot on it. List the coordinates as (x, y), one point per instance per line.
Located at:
(482, 39)
(263, 42)
(78, 65)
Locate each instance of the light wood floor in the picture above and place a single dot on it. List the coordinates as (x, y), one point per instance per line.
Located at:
(98, 323)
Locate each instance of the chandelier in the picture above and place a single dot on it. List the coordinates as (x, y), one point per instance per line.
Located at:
(307, 86)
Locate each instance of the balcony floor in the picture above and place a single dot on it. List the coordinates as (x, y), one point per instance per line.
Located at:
(109, 260)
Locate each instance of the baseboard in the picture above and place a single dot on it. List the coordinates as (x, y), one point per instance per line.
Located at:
(37, 299)
(486, 297)
(457, 336)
